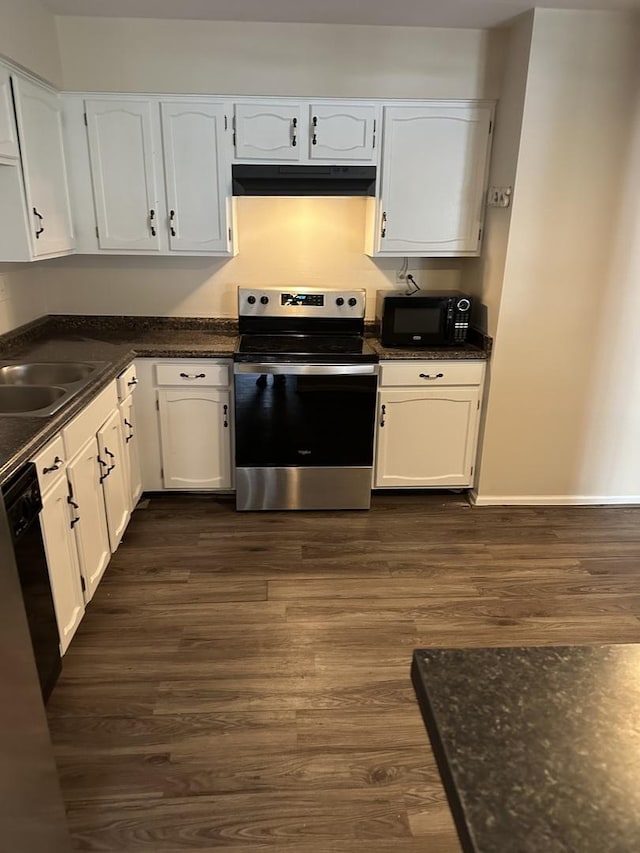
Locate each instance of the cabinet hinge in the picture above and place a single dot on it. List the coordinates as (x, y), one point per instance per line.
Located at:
(472, 470)
(97, 232)
(162, 473)
(490, 127)
(478, 406)
(86, 123)
(374, 133)
(84, 585)
(233, 124)
(157, 404)
(480, 233)
(230, 235)
(226, 123)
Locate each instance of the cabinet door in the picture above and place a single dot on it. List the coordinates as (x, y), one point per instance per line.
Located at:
(132, 451)
(195, 431)
(266, 132)
(123, 151)
(342, 132)
(426, 437)
(62, 560)
(8, 137)
(196, 177)
(434, 169)
(39, 113)
(92, 536)
(115, 483)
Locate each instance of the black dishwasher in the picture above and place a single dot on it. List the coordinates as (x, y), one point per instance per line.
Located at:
(23, 503)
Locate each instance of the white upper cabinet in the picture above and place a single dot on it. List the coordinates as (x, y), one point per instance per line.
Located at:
(434, 168)
(122, 146)
(342, 132)
(8, 137)
(197, 177)
(268, 131)
(39, 115)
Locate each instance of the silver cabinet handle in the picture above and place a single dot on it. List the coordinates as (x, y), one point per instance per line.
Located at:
(383, 229)
(431, 375)
(193, 375)
(384, 412)
(172, 219)
(294, 131)
(152, 219)
(225, 412)
(314, 138)
(57, 465)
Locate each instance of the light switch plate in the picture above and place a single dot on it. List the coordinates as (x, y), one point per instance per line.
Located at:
(3, 289)
(499, 196)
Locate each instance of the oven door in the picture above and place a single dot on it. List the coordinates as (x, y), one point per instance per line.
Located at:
(304, 435)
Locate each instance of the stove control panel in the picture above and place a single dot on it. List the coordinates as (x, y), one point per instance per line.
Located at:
(300, 302)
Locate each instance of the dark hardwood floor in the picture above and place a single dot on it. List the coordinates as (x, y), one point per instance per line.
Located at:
(240, 682)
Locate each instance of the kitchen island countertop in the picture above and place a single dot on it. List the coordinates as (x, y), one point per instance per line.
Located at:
(538, 748)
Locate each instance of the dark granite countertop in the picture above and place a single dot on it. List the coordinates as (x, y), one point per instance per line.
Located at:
(117, 340)
(538, 748)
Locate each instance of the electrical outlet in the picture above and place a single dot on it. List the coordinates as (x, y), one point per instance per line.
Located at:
(3, 289)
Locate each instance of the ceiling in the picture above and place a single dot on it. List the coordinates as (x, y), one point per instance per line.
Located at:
(478, 14)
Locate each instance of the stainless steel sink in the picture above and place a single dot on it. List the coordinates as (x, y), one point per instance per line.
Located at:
(39, 389)
(30, 399)
(46, 373)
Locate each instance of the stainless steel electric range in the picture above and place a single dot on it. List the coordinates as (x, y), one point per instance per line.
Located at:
(305, 385)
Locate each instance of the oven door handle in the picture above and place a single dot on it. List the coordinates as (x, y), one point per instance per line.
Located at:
(306, 369)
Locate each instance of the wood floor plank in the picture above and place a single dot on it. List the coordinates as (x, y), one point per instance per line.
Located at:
(240, 681)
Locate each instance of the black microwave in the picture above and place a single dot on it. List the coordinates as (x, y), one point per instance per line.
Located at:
(436, 319)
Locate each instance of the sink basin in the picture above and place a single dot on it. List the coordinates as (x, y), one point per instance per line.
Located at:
(43, 373)
(40, 388)
(31, 399)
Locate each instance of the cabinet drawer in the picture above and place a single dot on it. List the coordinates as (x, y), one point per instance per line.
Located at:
(90, 419)
(127, 382)
(196, 373)
(50, 464)
(431, 373)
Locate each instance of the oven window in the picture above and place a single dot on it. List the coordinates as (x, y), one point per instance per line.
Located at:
(417, 321)
(296, 420)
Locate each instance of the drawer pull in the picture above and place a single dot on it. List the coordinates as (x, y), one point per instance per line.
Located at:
(225, 411)
(431, 375)
(57, 465)
(193, 375)
(132, 382)
(384, 412)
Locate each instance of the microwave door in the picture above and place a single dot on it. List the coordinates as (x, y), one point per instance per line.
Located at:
(421, 323)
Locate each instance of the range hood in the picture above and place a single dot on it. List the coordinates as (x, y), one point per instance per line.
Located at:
(304, 180)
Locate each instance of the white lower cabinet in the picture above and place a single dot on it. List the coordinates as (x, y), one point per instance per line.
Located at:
(427, 436)
(114, 478)
(62, 559)
(131, 450)
(194, 429)
(92, 536)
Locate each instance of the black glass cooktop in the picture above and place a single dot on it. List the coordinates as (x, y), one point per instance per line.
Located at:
(289, 346)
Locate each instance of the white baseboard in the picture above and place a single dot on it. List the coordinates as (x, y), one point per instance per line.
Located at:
(553, 500)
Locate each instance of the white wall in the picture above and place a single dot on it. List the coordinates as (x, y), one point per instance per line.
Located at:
(314, 242)
(293, 241)
(147, 55)
(28, 37)
(24, 297)
(564, 403)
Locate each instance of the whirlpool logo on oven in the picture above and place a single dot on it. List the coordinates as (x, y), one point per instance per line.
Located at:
(304, 453)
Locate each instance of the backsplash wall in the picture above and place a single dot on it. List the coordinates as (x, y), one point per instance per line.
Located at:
(21, 297)
(315, 242)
